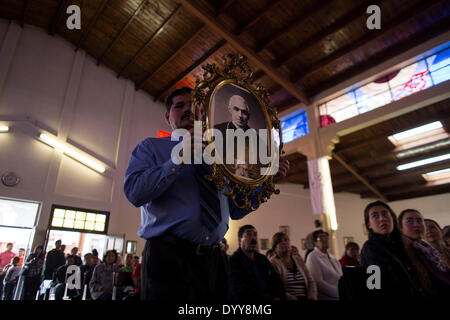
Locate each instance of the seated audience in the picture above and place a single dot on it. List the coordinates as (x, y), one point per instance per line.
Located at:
(252, 275)
(324, 267)
(86, 270)
(270, 253)
(385, 249)
(102, 282)
(309, 244)
(96, 259)
(433, 272)
(61, 278)
(434, 236)
(129, 263)
(224, 246)
(351, 255)
(297, 280)
(32, 273)
(136, 276)
(10, 280)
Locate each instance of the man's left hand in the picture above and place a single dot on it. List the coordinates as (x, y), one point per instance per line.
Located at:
(282, 171)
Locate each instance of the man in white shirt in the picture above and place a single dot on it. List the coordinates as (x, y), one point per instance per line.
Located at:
(324, 267)
(10, 281)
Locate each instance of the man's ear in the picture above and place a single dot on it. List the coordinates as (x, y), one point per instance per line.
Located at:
(167, 118)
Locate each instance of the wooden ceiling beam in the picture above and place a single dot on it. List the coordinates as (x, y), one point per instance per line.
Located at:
(363, 41)
(91, 24)
(258, 16)
(122, 31)
(355, 172)
(199, 61)
(147, 43)
(312, 9)
(324, 33)
(251, 55)
(185, 44)
(57, 17)
(399, 188)
(24, 13)
(404, 45)
(421, 192)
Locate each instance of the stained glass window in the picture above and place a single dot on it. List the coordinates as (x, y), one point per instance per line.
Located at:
(413, 78)
(294, 126)
(79, 220)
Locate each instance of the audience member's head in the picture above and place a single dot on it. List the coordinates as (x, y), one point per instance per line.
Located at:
(9, 246)
(248, 239)
(95, 252)
(270, 253)
(379, 218)
(411, 224)
(136, 260)
(281, 244)
(74, 251)
(321, 240)
(110, 257)
(352, 250)
(446, 235)
(295, 251)
(433, 233)
(63, 248)
(21, 252)
(129, 260)
(15, 261)
(39, 250)
(70, 260)
(58, 244)
(89, 259)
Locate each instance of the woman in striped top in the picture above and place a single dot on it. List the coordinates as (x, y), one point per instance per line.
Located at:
(298, 283)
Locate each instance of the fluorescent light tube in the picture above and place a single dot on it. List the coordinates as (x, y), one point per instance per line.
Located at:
(4, 128)
(72, 153)
(417, 131)
(423, 162)
(438, 172)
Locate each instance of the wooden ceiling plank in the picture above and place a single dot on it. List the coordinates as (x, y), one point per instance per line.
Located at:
(422, 192)
(316, 6)
(183, 46)
(122, 31)
(147, 43)
(205, 56)
(91, 24)
(365, 181)
(259, 15)
(24, 13)
(57, 17)
(324, 33)
(251, 55)
(375, 34)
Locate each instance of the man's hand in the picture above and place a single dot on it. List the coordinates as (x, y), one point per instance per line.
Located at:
(282, 171)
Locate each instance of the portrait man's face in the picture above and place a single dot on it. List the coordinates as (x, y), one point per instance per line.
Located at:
(239, 111)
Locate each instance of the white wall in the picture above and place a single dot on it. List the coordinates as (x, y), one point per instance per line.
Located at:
(64, 93)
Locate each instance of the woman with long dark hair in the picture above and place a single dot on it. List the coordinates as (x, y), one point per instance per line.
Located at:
(385, 249)
(433, 271)
(32, 272)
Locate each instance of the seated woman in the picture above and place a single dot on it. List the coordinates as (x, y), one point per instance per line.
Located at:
(385, 249)
(435, 237)
(102, 282)
(351, 255)
(298, 282)
(324, 267)
(430, 264)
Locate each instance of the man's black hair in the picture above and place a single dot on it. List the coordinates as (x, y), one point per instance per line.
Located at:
(177, 92)
(243, 228)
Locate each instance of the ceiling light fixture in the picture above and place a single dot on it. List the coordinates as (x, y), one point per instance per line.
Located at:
(416, 132)
(423, 162)
(4, 128)
(72, 153)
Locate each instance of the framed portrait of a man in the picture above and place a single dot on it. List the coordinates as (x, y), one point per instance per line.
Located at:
(243, 133)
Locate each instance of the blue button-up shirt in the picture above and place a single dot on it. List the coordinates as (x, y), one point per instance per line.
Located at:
(169, 195)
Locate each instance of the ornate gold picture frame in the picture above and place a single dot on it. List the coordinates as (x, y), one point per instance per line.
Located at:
(229, 99)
